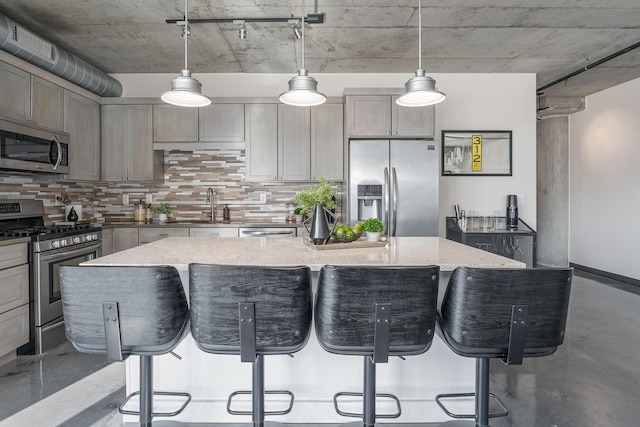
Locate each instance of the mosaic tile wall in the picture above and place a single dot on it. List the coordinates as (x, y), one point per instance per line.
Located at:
(188, 175)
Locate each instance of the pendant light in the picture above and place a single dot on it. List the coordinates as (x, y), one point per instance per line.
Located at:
(303, 90)
(185, 90)
(420, 90)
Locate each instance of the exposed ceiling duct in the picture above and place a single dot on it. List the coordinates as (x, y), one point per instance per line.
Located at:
(32, 48)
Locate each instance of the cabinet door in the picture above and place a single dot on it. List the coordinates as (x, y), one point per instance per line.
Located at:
(294, 143)
(14, 287)
(412, 121)
(327, 142)
(369, 115)
(114, 143)
(107, 241)
(124, 238)
(140, 156)
(222, 123)
(261, 130)
(15, 87)
(82, 123)
(14, 325)
(175, 124)
(47, 104)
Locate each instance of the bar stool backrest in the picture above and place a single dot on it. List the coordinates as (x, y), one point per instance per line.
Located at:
(476, 311)
(282, 300)
(346, 308)
(151, 304)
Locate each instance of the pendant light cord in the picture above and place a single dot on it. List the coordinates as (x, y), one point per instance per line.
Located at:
(186, 31)
(419, 34)
(302, 24)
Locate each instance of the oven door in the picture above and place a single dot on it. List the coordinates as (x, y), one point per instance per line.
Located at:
(47, 299)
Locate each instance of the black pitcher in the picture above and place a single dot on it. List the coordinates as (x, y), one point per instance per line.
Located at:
(320, 233)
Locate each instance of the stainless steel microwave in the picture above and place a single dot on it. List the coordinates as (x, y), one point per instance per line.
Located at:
(24, 148)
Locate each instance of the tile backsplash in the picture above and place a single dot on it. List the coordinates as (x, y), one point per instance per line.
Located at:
(187, 177)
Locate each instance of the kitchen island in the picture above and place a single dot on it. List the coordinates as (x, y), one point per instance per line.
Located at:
(313, 375)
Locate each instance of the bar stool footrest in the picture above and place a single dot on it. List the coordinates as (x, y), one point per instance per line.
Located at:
(504, 413)
(187, 397)
(249, 392)
(359, 415)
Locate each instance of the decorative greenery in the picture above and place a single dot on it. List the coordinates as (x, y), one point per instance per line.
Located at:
(318, 194)
(163, 208)
(373, 225)
(298, 211)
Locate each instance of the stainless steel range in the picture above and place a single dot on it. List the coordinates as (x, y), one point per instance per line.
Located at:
(50, 247)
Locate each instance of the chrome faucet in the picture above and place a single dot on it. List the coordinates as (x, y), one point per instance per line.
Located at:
(211, 200)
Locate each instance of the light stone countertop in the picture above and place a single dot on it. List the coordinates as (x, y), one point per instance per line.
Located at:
(199, 224)
(400, 251)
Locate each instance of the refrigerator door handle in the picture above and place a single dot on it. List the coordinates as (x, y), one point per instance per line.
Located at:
(394, 201)
(386, 200)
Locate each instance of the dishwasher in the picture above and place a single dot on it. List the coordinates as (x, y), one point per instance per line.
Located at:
(268, 232)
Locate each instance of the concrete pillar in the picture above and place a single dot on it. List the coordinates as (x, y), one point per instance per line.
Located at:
(553, 191)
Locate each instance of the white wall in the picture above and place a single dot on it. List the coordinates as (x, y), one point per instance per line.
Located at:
(604, 178)
(474, 102)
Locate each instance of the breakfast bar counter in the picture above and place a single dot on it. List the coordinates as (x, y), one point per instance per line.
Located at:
(313, 375)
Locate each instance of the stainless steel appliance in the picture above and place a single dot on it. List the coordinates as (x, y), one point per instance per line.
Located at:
(407, 171)
(25, 148)
(268, 231)
(49, 248)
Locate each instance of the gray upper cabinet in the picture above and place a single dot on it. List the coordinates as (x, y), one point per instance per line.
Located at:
(171, 123)
(127, 144)
(327, 142)
(379, 115)
(261, 132)
(294, 143)
(215, 123)
(30, 99)
(82, 123)
(222, 123)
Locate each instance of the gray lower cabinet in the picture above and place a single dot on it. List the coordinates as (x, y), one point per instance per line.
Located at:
(14, 297)
(127, 144)
(379, 115)
(213, 232)
(124, 238)
(107, 241)
(82, 123)
(31, 99)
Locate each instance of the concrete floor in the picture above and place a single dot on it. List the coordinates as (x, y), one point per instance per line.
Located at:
(592, 380)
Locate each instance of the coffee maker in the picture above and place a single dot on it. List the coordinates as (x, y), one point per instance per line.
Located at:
(512, 212)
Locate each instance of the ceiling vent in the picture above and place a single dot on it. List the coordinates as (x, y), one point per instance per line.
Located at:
(32, 48)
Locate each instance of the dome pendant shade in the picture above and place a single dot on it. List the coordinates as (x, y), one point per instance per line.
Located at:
(420, 91)
(302, 91)
(186, 92)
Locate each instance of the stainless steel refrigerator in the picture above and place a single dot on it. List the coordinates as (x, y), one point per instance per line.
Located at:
(397, 181)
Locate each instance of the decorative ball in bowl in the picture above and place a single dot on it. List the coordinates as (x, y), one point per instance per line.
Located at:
(344, 234)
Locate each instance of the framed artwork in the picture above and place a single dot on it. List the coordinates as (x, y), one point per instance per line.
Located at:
(471, 153)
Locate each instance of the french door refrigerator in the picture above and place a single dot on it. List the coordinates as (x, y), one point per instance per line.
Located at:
(398, 182)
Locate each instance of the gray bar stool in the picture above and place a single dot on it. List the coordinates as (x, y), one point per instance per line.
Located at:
(375, 312)
(505, 314)
(251, 311)
(123, 311)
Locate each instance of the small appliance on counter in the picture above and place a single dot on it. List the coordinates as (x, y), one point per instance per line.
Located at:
(512, 212)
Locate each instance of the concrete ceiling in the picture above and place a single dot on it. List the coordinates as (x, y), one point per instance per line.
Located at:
(551, 38)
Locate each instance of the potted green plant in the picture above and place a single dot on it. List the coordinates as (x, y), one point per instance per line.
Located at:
(374, 228)
(163, 211)
(321, 194)
(298, 213)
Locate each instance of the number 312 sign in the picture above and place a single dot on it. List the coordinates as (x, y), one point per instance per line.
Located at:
(476, 152)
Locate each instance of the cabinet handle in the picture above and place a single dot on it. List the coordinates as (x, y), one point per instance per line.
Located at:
(395, 132)
(388, 133)
(200, 139)
(195, 138)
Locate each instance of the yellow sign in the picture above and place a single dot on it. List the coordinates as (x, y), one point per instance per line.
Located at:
(476, 153)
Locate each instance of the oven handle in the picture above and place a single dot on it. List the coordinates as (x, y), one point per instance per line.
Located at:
(75, 250)
(59, 158)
